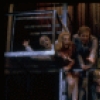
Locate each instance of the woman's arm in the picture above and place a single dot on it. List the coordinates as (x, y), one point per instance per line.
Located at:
(70, 65)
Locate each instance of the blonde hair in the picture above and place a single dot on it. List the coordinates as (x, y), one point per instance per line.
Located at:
(97, 73)
(58, 45)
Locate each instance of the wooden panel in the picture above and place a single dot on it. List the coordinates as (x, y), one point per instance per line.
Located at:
(99, 12)
(79, 13)
(98, 19)
(9, 27)
(70, 11)
(94, 17)
(70, 17)
(83, 13)
(91, 15)
(60, 10)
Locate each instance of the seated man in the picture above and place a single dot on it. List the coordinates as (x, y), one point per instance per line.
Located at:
(45, 42)
(86, 45)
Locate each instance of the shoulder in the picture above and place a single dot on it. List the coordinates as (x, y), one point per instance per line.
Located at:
(93, 37)
(94, 40)
(75, 36)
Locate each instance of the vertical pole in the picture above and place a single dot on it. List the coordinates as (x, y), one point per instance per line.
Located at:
(9, 27)
(64, 15)
(64, 21)
(60, 84)
(53, 27)
(13, 31)
(87, 75)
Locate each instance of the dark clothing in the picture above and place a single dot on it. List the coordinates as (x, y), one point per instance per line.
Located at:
(84, 51)
(60, 62)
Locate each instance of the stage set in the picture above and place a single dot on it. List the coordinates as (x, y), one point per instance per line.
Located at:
(46, 58)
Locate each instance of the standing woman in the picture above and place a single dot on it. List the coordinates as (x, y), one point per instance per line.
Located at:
(65, 50)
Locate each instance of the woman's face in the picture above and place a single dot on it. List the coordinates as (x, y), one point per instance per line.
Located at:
(84, 37)
(45, 42)
(66, 40)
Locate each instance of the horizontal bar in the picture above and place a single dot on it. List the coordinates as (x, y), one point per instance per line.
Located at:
(77, 70)
(92, 69)
(36, 18)
(40, 26)
(25, 53)
(30, 18)
(47, 32)
(32, 12)
(32, 70)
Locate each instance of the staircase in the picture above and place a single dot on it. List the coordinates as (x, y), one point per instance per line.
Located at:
(46, 22)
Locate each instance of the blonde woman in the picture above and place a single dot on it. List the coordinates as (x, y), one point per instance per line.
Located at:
(65, 49)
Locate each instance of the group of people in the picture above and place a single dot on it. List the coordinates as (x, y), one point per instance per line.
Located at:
(73, 52)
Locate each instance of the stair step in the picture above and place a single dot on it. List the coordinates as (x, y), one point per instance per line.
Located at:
(28, 13)
(48, 32)
(36, 18)
(41, 26)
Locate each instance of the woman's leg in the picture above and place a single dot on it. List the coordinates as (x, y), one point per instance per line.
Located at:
(75, 89)
(72, 87)
(83, 89)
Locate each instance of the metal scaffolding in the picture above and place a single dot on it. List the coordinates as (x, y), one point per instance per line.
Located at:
(20, 16)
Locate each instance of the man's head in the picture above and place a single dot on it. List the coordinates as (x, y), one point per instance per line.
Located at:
(45, 42)
(84, 34)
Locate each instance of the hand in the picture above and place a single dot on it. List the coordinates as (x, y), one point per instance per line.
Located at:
(90, 60)
(70, 59)
(26, 43)
(85, 67)
(60, 54)
(64, 57)
(66, 68)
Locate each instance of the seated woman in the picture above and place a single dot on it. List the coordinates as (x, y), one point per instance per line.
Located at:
(65, 49)
(45, 42)
(86, 45)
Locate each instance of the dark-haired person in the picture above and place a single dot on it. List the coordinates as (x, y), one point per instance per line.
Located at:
(45, 42)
